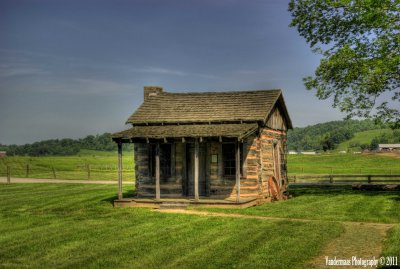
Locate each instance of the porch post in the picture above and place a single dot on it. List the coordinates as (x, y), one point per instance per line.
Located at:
(119, 170)
(196, 170)
(237, 144)
(158, 171)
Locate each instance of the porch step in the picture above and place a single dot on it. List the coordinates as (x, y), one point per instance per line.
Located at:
(253, 195)
(173, 205)
(248, 183)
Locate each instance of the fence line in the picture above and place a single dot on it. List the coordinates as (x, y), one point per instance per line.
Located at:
(344, 179)
(53, 173)
(104, 166)
(8, 174)
(336, 170)
(89, 171)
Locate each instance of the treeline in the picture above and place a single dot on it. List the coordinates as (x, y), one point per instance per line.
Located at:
(326, 136)
(323, 136)
(61, 147)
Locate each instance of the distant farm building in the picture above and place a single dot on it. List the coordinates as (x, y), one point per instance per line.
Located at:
(3, 154)
(308, 152)
(388, 147)
(294, 152)
(209, 148)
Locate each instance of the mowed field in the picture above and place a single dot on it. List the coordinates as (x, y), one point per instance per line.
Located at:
(336, 163)
(103, 165)
(88, 164)
(75, 226)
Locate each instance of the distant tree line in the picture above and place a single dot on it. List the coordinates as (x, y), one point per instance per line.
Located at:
(62, 147)
(326, 136)
(323, 136)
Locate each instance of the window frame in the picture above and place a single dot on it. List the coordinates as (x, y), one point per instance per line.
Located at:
(223, 160)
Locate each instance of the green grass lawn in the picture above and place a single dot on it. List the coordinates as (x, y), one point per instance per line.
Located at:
(336, 203)
(343, 164)
(339, 203)
(103, 166)
(392, 244)
(75, 226)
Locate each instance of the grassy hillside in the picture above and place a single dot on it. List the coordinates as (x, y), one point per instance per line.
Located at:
(364, 137)
(327, 135)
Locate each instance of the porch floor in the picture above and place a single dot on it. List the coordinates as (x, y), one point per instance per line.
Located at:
(185, 202)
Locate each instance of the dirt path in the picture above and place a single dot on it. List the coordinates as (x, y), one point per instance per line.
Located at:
(361, 239)
(71, 181)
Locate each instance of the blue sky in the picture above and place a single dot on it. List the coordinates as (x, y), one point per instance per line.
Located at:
(73, 68)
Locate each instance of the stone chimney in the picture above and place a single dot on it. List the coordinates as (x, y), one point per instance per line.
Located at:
(150, 91)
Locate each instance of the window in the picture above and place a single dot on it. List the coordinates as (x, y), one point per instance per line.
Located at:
(229, 159)
(165, 160)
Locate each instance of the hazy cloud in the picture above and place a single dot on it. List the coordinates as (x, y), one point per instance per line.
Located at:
(21, 69)
(172, 72)
(164, 71)
(100, 87)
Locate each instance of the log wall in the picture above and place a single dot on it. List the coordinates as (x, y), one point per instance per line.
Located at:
(272, 141)
(258, 168)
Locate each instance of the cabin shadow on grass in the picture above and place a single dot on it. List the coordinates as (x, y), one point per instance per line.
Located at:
(127, 193)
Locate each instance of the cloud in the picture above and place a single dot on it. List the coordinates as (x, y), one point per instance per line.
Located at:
(266, 75)
(100, 87)
(166, 71)
(21, 69)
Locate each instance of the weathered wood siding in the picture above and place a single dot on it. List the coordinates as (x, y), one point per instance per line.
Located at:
(220, 186)
(145, 183)
(250, 178)
(258, 168)
(276, 120)
(259, 165)
(271, 142)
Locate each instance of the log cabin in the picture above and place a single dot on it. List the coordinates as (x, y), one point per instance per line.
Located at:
(207, 148)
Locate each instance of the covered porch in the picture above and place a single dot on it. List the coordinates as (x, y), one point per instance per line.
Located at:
(196, 166)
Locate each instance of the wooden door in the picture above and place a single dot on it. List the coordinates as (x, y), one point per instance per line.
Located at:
(190, 148)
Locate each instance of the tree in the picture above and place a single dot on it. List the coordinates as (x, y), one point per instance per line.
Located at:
(359, 42)
(374, 144)
(327, 143)
(364, 146)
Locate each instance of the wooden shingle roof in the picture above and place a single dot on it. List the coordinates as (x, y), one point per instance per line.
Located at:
(205, 114)
(188, 130)
(165, 107)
